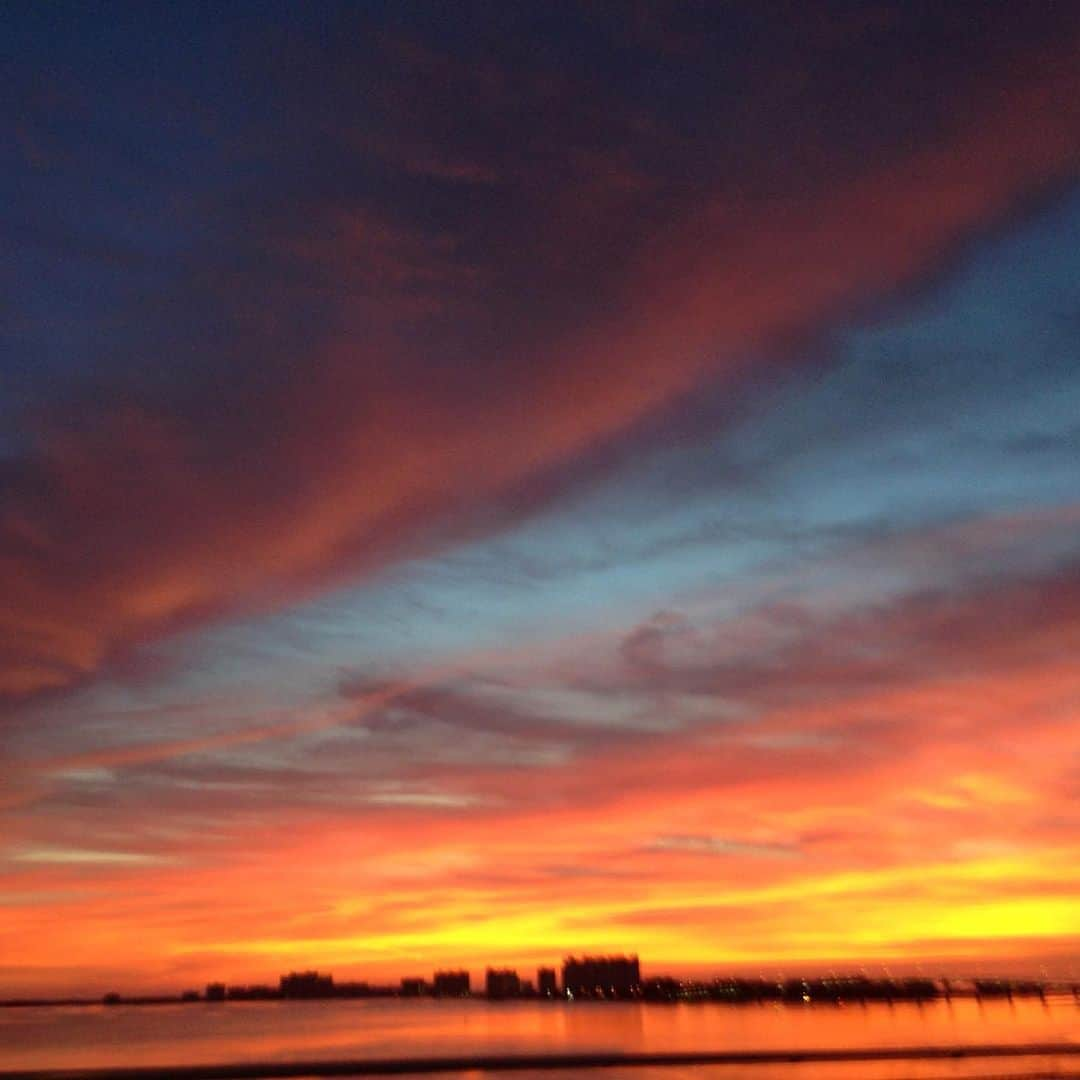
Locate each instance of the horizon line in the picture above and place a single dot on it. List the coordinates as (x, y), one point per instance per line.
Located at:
(517, 1062)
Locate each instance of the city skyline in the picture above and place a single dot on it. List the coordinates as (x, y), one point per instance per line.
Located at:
(485, 479)
(612, 978)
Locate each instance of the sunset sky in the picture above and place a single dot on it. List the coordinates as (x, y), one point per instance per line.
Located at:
(480, 481)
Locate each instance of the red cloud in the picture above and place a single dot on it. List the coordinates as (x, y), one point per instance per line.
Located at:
(428, 393)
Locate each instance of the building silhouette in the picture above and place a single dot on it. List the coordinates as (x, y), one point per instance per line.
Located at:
(612, 977)
(414, 987)
(253, 993)
(546, 983)
(451, 984)
(502, 983)
(306, 984)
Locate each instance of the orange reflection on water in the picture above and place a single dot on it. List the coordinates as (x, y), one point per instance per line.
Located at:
(96, 1036)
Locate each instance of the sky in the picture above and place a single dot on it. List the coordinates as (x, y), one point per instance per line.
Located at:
(484, 481)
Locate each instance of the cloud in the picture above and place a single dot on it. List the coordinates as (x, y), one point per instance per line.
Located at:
(717, 845)
(785, 653)
(87, 857)
(372, 358)
(436, 281)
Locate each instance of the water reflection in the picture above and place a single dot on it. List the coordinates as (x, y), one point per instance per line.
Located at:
(94, 1036)
(1059, 1068)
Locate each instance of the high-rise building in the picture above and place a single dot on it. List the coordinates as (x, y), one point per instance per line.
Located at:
(306, 984)
(602, 977)
(451, 984)
(502, 983)
(546, 983)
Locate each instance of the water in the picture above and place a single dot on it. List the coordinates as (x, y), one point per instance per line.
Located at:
(115, 1036)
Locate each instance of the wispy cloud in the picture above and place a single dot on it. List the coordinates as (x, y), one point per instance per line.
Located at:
(718, 845)
(88, 857)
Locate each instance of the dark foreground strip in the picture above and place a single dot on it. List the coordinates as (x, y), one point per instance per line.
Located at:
(274, 1070)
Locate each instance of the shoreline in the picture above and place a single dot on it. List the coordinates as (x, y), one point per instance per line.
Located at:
(956, 994)
(279, 1070)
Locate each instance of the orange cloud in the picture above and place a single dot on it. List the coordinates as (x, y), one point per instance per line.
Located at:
(920, 816)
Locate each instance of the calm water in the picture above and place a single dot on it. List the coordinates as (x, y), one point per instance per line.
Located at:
(95, 1036)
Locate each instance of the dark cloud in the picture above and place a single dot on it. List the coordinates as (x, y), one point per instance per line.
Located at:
(787, 653)
(411, 275)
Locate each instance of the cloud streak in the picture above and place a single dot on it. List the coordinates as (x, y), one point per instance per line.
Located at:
(601, 478)
(447, 372)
